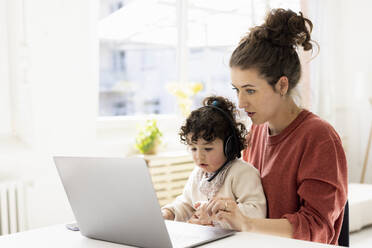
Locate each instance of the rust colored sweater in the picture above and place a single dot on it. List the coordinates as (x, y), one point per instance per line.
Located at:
(304, 175)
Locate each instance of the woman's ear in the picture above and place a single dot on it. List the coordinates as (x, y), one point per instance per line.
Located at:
(282, 85)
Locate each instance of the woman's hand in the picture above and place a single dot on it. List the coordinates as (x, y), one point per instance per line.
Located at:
(226, 210)
(167, 214)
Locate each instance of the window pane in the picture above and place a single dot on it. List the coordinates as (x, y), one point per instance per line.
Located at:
(137, 57)
(215, 27)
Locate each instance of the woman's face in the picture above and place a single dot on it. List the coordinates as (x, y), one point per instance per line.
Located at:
(209, 156)
(255, 95)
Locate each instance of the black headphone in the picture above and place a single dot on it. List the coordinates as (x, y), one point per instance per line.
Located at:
(231, 143)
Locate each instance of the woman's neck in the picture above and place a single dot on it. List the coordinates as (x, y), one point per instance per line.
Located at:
(287, 113)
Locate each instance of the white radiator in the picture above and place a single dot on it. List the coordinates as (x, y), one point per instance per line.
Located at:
(13, 216)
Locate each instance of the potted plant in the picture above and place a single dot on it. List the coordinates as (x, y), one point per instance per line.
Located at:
(148, 138)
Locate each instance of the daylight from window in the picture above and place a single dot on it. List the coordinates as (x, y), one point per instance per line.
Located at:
(154, 53)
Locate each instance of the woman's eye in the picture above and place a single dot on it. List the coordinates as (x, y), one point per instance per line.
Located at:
(193, 149)
(250, 92)
(208, 149)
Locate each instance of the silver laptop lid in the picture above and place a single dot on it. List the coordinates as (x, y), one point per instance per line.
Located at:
(113, 199)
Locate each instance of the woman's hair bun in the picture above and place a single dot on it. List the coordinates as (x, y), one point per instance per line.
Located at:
(284, 28)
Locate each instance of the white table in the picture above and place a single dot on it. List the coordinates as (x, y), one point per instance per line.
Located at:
(58, 236)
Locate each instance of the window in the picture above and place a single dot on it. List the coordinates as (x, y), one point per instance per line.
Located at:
(140, 52)
(137, 58)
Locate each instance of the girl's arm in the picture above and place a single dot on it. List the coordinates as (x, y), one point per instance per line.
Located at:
(167, 214)
(247, 190)
(181, 208)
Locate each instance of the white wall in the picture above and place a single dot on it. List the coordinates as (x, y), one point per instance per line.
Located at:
(5, 125)
(341, 74)
(63, 75)
(53, 75)
(358, 76)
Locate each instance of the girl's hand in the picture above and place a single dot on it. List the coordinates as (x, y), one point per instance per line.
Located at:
(167, 214)
(226, 210)
(200, 216)
(196, 220)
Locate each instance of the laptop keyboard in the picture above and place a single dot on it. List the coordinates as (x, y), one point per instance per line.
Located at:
(189, 235)
(181, 238)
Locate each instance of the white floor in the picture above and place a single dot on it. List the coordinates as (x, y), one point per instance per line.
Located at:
(362, 238)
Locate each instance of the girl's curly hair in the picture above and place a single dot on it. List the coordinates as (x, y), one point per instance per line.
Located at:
(209, 123)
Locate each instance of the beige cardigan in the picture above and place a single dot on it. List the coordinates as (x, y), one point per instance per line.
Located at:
(242, 183)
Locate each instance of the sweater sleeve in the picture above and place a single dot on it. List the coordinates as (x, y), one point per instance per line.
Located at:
(182, 206)
(248, 192)
(322, 192)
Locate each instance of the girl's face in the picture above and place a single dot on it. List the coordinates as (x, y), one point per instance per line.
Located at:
(255, 95)
(209, 156)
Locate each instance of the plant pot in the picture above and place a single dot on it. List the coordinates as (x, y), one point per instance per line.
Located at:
(154, 148)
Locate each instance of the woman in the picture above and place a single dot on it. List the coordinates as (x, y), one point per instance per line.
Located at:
(299, 156)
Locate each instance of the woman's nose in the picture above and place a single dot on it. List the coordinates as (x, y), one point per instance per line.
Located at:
(242, 101)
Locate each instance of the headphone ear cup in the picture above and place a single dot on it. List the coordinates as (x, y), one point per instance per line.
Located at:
(237, 150)
(229, 147)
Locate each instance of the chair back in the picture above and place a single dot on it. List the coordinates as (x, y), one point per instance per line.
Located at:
(343, 239)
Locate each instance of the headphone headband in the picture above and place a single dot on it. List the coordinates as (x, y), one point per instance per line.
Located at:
(227, 117)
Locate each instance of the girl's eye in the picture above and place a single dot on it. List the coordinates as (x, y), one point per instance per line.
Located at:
(250, 92)
(208, 149)
(236, 90)
(193, 149)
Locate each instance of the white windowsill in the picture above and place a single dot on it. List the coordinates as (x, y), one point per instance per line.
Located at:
(118, 133)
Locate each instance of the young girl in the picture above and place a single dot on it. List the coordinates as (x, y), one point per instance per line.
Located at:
(216, 140)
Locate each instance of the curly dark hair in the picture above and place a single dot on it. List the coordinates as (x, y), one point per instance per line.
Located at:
(209, 123)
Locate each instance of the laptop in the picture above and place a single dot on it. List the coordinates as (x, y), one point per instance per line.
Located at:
(113, 199)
